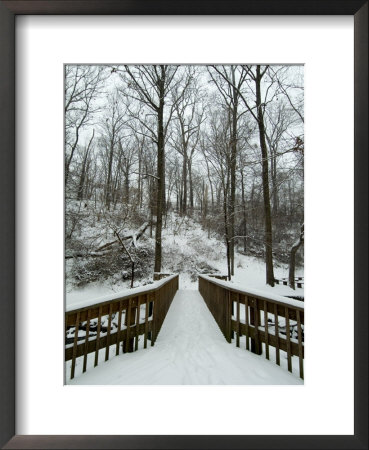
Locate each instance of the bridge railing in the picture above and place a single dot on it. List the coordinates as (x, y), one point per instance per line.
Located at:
(264, 321)
(118, 319)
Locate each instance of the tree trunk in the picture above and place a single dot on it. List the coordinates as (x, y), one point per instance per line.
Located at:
(84, 170)
(265, 175)
(126, 187)
(139, 183)
(205, 204)
(233, 172)
(229, 273)
(190, 183)
(160, 201)
(244, 213)
(184, 180)
(82, 178)
(108, 181)
(294, 248)
(273, 170)
(226, 229)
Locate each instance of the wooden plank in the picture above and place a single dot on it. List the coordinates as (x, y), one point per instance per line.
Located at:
(74, 347)
(288, 339)
(238, 321)
(247, 322)
(254, 321)
(137, 322)
(128, 325)
(98, 338)
(231, 296)
(86, 340)
(146, 321)
(65, 337)
(154, 320)
(108, 333)
(266, 333)
(228, 317)
(258, 349)
(299, 332)
(119, 327)
(276, 332)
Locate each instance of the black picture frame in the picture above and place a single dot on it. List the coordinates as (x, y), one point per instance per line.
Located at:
(8, 11)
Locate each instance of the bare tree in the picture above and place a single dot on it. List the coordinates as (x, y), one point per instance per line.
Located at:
(82, 85)
(152, 86)
(185, 135)
(84, 168)
(229, 82)
(112, 126)
(254, 103)
(218, 153)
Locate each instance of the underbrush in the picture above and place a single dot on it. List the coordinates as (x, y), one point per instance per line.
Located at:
(114, 264)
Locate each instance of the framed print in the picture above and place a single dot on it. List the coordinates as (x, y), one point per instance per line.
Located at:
(39, 408)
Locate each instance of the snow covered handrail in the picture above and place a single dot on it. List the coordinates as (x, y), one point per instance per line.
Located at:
(161, 275)
(264, 319)
(115, 319)
(218, 276)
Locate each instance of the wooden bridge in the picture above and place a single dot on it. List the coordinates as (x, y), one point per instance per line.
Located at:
(270, 326)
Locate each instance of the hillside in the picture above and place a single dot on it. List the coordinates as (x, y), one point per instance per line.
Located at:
(187, 249)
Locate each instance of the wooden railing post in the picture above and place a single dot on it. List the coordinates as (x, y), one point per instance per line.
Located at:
(247, 322)
(97, 348)
(137, 315)
(119, 327)
(155, 317)
(228, 299)
(76, 329)
(255, 322)
(129, 320)
(150, 313)
(231, 297)
(238, 321)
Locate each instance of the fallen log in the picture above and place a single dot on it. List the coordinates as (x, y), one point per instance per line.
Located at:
(98, 252)
(86, 255)
(136, 236)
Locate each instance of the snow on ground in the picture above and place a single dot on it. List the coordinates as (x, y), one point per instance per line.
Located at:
(250, 273)
(187, 247)
(190, 349)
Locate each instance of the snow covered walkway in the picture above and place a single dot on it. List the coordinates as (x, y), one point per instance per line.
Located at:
(190, 349)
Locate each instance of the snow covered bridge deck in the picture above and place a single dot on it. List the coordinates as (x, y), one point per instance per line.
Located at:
(190, 349)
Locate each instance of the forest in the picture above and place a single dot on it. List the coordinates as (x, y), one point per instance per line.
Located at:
(158, 149)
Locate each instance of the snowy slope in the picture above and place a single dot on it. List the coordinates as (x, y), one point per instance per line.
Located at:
(188, 250)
